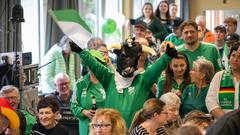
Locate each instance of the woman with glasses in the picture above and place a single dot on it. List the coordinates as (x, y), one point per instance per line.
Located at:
(193, 97)
(107, 122)
(150, 119)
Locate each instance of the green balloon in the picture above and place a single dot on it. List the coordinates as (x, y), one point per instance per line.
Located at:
(109, 26)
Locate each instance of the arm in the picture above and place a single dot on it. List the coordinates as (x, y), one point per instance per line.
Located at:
(211, 98)
(101, 72)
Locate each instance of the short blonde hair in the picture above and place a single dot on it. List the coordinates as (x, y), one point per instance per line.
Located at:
(118, 124)
(171, 99)
(8, 89)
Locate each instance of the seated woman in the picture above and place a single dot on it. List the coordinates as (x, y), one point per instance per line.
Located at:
(48, 113)
(176, 76)
(150, 119)
(173, 103)
(223, 93)
(107, 122)
(193, 97)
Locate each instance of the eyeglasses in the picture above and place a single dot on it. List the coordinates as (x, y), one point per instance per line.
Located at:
(164, 113)
(12, 98)
(101, 126)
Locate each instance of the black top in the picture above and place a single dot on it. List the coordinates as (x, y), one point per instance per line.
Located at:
(228, 124)
(139, 130)
(59, 129)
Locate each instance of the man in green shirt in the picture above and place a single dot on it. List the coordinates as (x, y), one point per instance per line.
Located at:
(194, 49)
(126, 88)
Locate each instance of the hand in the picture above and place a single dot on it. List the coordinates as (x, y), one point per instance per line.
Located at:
(75, 48)
(171, 51)
(88, 113)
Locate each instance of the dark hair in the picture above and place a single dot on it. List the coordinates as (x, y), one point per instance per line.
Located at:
(145, 4)
(49, 101)
(197, 117)
(150, 107)
(167, 84)
(188, 130)
(189, 23)
(157, 11)
(230, 20)
(234, 48)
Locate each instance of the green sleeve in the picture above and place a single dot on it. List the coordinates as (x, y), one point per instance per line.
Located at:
(75, 103)
(151, 75)
(101, 72)
(31, 120)
(160, 87)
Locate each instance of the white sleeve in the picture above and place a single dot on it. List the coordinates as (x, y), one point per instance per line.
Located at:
(212, 95)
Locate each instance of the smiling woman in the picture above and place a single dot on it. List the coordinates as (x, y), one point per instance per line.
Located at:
(48, 111)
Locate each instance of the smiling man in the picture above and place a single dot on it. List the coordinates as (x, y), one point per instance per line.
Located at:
(194, 48)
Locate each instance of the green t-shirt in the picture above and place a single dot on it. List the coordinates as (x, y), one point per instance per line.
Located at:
(191, 100)
(175, 40)
(206, 50)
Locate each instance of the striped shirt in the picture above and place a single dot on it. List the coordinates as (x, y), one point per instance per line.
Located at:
(139, 130)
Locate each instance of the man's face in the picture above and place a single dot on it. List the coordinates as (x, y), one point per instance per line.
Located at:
(139, 32)
(13, 98)
(190, 35)
(230, 27)
(219, 35)
(63, 87)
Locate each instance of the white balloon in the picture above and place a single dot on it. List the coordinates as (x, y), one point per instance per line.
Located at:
(119, 18)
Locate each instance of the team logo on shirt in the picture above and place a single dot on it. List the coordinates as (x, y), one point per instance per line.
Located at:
(84, 93)
(131, 90)
(102, 91)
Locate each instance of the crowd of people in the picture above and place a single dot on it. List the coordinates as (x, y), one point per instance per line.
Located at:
(172, 77)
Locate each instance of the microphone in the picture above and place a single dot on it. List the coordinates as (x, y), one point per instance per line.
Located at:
(17, 14)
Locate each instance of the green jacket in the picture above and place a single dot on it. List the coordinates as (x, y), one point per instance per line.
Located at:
(82, 99)
(132, 98)
(157, 28)
(175, 40)
(31, 120)
(56, 65)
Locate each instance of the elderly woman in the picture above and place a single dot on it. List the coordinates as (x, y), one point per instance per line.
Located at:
(173, 103)
(107, 122)
(223, 93)
(193, 97)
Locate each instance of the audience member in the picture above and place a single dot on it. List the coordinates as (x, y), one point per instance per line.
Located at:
(220, 34)
(153, 23)
(59, 59)
(173, 10)
(8, 118)
(228, 124)
(188, 130)
(162, 12)
(107, 122)
(222, 96)
(176, 76)
(86, 88)
(63, 95)
(173, 103)
(48, 111)
(194, 49)
(199, 119)
(126, 87)
(11, 93)
(176, 36)
(193, 97)
(230, 24)
(150, 119)
(207, 34)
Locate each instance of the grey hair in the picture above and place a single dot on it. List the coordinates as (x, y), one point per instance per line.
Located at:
(170, 98)
(8, 89)
(60, 75)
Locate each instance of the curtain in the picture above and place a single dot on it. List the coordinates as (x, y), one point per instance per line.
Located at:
(184, 9)
(10, 34)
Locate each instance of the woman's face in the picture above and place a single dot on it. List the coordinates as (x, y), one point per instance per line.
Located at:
(173, 112)
(163, 7)
(147, 10)
(47, 117)
(178, 66)
(163, 116)
(235, 60)
(173, 11)
(103, 126)
(195, 74)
